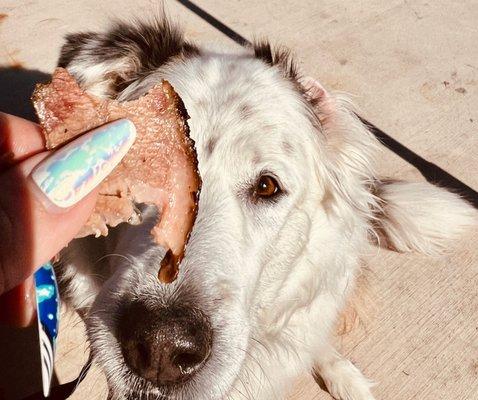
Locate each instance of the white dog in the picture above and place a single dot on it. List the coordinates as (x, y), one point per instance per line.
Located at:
(289, 203)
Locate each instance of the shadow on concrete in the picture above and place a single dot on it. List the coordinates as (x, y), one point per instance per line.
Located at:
(64, 391)
(20, 359)
(16, 88)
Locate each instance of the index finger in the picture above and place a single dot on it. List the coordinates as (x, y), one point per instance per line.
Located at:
(19, 139)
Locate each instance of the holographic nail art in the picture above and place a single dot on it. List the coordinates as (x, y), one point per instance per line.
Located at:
(48, 316)
(70, 173)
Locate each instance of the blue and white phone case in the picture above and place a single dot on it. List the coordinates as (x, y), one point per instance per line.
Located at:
(48, 315)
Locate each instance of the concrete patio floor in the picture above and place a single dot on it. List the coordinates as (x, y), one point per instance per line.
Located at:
(412, 67)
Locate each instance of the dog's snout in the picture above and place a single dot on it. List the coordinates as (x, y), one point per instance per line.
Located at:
(164, 346)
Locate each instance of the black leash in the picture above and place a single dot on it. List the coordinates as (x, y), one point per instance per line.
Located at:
(65, 390)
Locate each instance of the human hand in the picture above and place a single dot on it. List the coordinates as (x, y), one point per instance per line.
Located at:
(45, 199)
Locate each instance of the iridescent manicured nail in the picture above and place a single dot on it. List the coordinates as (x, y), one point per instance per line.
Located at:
(71, 172)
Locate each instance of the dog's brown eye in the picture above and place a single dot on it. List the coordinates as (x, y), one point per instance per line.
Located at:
(266, 187)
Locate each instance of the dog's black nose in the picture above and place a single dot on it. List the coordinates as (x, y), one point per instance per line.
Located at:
(165, 346)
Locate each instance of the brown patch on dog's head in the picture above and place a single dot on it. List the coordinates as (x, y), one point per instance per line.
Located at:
(131, 52)
(211, 145)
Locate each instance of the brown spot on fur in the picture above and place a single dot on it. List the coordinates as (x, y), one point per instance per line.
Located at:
(245, 111)
(461, 90)
(288, 149)
(3, 16)
(210, 145)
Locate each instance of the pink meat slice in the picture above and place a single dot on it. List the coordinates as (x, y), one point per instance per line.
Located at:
(160, 168)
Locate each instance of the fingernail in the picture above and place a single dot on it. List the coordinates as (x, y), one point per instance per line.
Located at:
(73, 171)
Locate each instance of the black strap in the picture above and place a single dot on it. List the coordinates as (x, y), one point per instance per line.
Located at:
(65, 390)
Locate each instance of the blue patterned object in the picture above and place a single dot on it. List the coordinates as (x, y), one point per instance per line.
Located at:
(48, 315)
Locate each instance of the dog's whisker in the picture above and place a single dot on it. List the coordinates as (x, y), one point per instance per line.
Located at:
(235, 388)
(130, 261)
(86, 300)
(266, 376)
(248, 394)
(267, 349)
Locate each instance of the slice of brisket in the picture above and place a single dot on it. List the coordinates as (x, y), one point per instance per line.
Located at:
(160, 168)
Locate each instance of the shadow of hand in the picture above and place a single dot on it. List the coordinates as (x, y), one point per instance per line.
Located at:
(17, 86)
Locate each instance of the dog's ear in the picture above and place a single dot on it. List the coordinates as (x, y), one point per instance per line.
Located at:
(106, 63)
(314, 92)
(329, 108)
(349, 148)
(339, 123)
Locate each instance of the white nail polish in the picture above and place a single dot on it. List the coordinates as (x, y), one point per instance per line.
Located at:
(71, 172)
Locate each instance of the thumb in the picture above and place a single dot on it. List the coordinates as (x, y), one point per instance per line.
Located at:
(32, 233)
(33, 229)
(45, 200)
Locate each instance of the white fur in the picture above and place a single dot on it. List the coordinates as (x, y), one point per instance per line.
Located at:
(271, 277)
(408, 225)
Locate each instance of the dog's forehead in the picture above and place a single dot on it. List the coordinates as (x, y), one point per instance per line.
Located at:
(238, 103)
